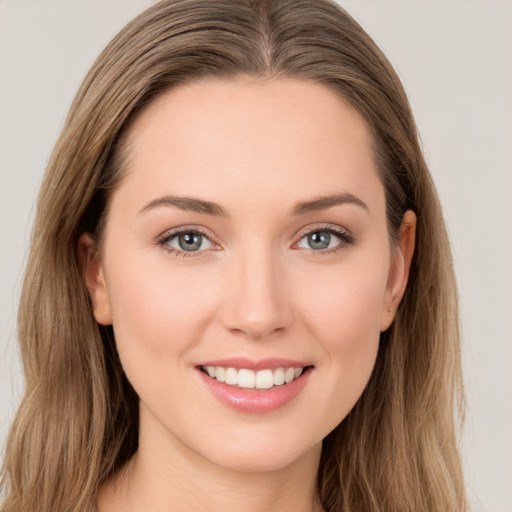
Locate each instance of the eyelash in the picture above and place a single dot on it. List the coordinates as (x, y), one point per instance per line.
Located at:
(163, 240)
(345, 237)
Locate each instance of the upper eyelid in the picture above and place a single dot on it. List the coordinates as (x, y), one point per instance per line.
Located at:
(171, 233)
(323, 227)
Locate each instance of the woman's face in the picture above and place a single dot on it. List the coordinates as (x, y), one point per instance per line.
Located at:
(248, 237)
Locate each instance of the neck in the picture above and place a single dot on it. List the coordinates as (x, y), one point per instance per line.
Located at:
(165, 477)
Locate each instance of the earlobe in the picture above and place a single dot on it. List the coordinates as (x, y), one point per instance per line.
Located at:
(400, 267)
(94, 279)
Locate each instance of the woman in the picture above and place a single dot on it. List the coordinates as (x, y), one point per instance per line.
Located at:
(240, 292)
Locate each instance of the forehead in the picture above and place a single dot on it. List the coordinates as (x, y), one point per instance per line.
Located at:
(216, 137)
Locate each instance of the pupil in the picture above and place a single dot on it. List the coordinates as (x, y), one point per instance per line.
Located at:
(319, 240)
(190, 241)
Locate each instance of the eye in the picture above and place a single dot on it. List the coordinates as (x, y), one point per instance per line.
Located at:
(186, 241)
(324, 239)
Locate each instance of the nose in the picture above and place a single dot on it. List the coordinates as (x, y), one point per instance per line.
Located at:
(256, 304)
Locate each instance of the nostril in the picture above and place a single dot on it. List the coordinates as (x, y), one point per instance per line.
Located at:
(257, 331)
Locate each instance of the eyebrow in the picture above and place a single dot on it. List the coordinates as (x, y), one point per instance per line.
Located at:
(190, 204)
(324, 202)
(193, 204)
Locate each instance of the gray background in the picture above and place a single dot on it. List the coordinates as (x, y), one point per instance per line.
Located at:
(455, 58)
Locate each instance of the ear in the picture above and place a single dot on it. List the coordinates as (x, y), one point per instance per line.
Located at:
(94, 279)
(401, 258)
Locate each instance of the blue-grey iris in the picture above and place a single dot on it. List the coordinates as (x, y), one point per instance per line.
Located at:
(319, 240)
(190, 241)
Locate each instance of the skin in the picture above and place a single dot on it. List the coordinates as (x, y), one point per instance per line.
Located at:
(258, 290)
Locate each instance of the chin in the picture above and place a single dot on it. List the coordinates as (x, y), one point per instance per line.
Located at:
(263, 456)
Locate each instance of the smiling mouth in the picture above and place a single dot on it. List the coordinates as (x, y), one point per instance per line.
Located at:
(249, 379)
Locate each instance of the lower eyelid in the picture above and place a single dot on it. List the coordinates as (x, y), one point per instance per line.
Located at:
(339, 243)
(204, 238)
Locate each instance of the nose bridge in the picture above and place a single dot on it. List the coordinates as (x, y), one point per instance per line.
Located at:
(257, 304)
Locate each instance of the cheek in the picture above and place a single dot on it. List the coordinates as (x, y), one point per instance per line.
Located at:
(342, 313)
(157, 313)
(344, 307)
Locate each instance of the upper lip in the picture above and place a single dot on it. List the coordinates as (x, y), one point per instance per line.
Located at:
(270, 363)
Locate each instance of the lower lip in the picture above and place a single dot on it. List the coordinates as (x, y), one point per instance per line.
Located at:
(256, 400)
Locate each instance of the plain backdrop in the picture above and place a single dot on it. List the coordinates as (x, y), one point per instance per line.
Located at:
(455, 59)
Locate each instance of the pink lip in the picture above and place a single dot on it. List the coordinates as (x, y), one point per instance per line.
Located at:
(252, 400)
(249, 364)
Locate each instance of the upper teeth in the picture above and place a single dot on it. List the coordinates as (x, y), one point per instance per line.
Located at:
(243, 378)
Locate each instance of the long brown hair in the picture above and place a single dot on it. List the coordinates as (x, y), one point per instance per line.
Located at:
(78, 421)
